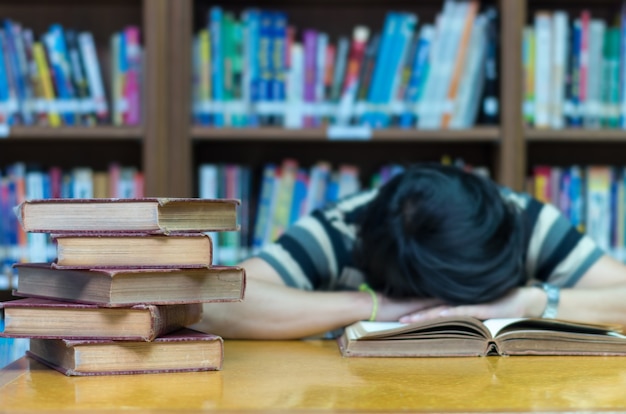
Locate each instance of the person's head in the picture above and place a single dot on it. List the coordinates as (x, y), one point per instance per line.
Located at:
(437, 231)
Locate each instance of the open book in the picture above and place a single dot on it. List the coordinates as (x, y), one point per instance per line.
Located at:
(467, 336)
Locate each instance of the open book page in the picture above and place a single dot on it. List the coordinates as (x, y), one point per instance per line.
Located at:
(440, 327)
(503, 325)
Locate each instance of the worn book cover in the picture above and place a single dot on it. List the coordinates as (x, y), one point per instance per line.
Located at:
(124, 287)
(180, 351)
(467, 336)
(44, 318)
(145, 215)
(126, 250)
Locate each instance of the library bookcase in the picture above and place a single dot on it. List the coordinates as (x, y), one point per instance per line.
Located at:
(168, 147)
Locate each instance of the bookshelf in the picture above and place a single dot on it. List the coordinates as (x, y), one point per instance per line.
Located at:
(500, 147)
(168, 147)
(69, 146)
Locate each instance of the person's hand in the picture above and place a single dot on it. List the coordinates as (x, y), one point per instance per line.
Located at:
(519, 302)
(393, 309)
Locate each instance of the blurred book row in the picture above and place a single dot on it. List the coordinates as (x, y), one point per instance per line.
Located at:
(592, 197)
(58, 78)
(259, 69)
(19, 182)
(574, 70)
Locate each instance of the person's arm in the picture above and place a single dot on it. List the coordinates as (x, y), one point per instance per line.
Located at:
(272, 310)
(598, 297)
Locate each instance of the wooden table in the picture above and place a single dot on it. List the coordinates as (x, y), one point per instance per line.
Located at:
(311, 375)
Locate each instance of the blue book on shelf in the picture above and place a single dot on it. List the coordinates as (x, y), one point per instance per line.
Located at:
(299, 195)
(264, 207)
(18, 70)
(419, 73)
(279, 61)
(252, 21)
(382, 61)
(266, 67)
(4, 83)
(59, 67)
(217, 61)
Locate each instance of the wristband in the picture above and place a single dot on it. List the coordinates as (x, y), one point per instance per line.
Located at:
(553, 294)
(364, 287)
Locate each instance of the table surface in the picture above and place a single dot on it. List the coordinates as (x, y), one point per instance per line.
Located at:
(313, 376)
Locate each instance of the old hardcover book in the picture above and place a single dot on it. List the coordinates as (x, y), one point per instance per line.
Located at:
(114, 250)
(124, 287)
(179, 351)
(43, 318)
(146, 215)
(467, 336)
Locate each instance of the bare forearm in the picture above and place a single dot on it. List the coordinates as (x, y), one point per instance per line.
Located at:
(599, 305)
(272, 311)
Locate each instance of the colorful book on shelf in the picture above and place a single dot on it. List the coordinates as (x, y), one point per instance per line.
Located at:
(126, 287)
(17, 70)
(6, 115)
(460, 63)
(132, 250)
(51, 115)
(467, 336)
(94, 76)
(149, 215)
(419, 73)
(489, 113)
(132, 86)
(466, 104)
(180, 351)
(52, 319)
(86, 114)
(54, 40)
(279, 68)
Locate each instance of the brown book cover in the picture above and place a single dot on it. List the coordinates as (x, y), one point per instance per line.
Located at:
(44, 318)
(467, 336)
(145, 215)
(180, 351)
(128, 250)
(125, 287)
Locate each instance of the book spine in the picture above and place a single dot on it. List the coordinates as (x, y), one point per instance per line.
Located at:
(490, 101)
(265, 63)
(61, 73)
(593, 102)
(544, 37)
(6, 115)
(380, 73)
(279, 63)
(611, 93)
(572, 92)
(467, 102)
(310, 74)
(559, 58)
(17, 71)
(94, 75)
(341, 62)
(585, 21)
(132, 89)
(217, 62)
(263, 213)
(85, 110)
(252, 22)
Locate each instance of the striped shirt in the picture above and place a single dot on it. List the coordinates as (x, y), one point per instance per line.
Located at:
(316, 252)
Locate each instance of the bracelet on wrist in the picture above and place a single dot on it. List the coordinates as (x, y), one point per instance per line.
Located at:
(364, 287)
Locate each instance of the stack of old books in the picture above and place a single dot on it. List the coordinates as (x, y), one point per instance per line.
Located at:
(129, 278)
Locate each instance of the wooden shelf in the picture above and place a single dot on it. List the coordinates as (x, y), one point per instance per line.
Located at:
(63, 133)
(480, 134)
(575, 135)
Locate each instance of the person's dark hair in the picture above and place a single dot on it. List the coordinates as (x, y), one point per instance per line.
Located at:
(437, 231)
